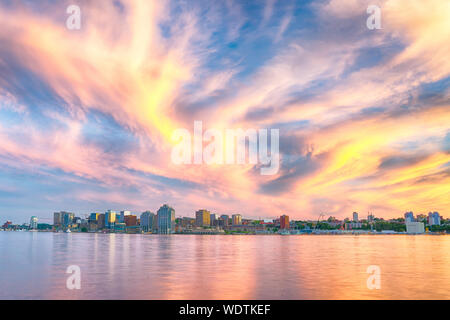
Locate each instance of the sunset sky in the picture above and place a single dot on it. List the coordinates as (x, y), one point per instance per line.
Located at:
(86, 116)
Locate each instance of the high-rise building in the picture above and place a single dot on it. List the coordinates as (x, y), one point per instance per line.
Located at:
(122, 215)
(236, 219)
(212, 219)
(147, 219)
(63, 219)
(93, 216)
(130, 220)
(355, 217)
(226, 219)
(166, 220)
(409, 217)
(370, 217)
(110, 219)
(284, 222)
(202, 218)
(33, 223)
(57, 219)
(434, 218)
(101, 221)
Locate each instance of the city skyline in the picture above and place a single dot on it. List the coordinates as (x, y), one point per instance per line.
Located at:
(87, 116)
(120, 214)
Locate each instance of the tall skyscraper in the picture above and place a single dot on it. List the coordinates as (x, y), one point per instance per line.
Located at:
(284, 222)
(409, 217)
(33, 223)
(110, 219)
(355, 217)
(166, 220)
(237, 219)
(147, 219)
(202, 218)
(434, 218)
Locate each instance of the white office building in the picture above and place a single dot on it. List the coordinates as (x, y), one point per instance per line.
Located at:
(415, 227)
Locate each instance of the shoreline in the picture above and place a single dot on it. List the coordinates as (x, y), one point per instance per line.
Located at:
(252, 234)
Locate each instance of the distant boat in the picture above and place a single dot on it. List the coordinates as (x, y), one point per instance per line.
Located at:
(68, 231)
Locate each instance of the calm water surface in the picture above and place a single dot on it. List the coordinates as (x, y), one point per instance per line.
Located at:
(120, 266)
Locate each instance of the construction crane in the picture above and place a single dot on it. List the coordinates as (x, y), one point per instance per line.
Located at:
(318, 220)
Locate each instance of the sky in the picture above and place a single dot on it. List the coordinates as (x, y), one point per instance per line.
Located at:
(87, 116)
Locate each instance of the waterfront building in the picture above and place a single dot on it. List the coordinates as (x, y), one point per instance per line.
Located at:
(284, 222)
(63, 219)
(130, 220)
(202, 218)
(110, 219)
(434, 218)
(101, 221)
(355, 217)
(409, 217)
(236, 219)
(370, 218)
(33, 223)
(226, 219)
(57, 219)
(166, 219)
(212, 219)
(415, 227)
(147, 219)
(93, 216)
(123, 214)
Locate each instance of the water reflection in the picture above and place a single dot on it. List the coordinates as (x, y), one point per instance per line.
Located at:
(119, 266)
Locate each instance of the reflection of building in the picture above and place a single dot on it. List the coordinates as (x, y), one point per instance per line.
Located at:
(166, 220)
(202, 218)
(33, 222)
(284, 222)
(415, 227)
(147, 219)
(434, 218)
(236, 219)
(355, 217)
(409, 217)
